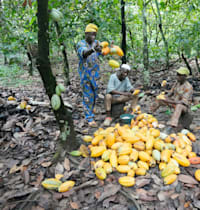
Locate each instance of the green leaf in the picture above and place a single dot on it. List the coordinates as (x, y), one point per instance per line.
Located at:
(141, 95)
(168, 112)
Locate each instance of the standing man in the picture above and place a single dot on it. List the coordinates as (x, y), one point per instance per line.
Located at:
(179, 98)
(88, 51)
(119, 90)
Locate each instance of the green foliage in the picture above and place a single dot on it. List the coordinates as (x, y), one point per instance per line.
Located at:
(12, 76)
(180, 20)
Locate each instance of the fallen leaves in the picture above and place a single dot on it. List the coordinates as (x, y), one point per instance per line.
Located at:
(187, 179)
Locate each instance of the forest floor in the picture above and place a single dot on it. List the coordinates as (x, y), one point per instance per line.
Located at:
(28, 142)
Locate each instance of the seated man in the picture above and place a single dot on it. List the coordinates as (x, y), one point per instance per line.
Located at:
(119, 90)
(179, 97)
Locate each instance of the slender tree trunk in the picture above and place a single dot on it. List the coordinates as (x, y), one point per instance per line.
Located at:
(130, 34)
(186, 63)
(146, 76)
(64, 119)
(197, 64)
(64, 52)
(163, 36)
(123, 30)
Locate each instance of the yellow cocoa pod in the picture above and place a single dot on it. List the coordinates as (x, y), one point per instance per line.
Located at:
(11, 98)
(123, 168)
(191, 136)
(149, 143)
(116, 145)
(170, 179)
(87, 138)
(66, 186)
(131, 173)
(144, 156)
(96, 139)
(104, 44)
(191, 154)
(165, 155)
(110, 139)
(100, 173)
(106, 155)
(164, 82)
(124, 150)
(113, 159)
(113, 64)
(97, 151)
(105, 50)
(133, 165)
(183, 161)
(136, 92)
(59, 176)
(151, 162)
(127, 181)
(162, 166)
(197, 175)
(134, 155)
(123, 159)
(142, 164)
(139, 145)
(140, 171)
(177, 170)
(118, 50)
(28, 107)
(99, 164)
(23, 105)
(159, 145)
(108, 168)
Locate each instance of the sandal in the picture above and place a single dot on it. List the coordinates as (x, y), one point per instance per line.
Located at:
(93, 124)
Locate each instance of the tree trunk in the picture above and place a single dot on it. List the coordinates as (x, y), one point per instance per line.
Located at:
(146, 76)
(64, 52)
(197, 64)
(64, 120)
(186, 62)
(123, 30)
(163, 36)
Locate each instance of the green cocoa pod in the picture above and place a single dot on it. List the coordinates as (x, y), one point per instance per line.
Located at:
(61, 87)
(56, 15)
(58, 91)
(55, 102)
(75, 153)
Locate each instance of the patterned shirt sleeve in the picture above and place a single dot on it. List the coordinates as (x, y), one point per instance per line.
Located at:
(81, 47)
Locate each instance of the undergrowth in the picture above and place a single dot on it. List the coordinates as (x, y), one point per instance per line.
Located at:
(12, 76)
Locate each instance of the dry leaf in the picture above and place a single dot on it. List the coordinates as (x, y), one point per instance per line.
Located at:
(84, 150)
(74, 205)
(39, 179)
(97, 194)
(67, 164)
(110, 190)
(59, 169)
(46, 164)
(187, 179)
(16, 168)
(142, 182)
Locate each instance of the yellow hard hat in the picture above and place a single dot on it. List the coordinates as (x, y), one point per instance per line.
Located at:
(183, 71)
(91, 28)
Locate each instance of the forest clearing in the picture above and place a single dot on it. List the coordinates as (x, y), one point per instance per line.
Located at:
(45, 142)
